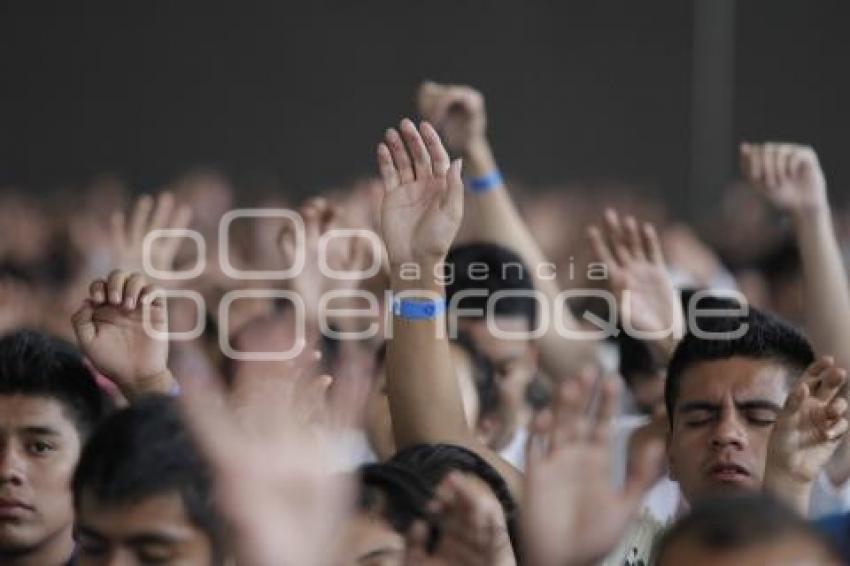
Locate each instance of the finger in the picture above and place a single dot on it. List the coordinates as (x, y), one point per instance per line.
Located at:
(798, 395)
(439, 155)
(616, 237)
(115, 286)
(385, 166)
(783, 152)
(97, 291)
(836, 409)
(836, 431)
(568, 415)
(139, 219)
(832, 380)
(812, 375)
(756, 165)
(634, 240)
(161, 212)
(745, 153)
(421, 157)
(452, 201)
(652, 244)
(417, 542)
(770, 177)
(180, 220)
(151, 293)
(600, 247)
(400, 156)
(118, 230)
(132, 289)
(609, 400)
(83, 323)
(426, 97)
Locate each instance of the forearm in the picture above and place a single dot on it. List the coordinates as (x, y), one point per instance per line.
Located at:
(162, 383)
(825, 286)
(827, 299)
(499, 222)
(795, 494)
(424, 396)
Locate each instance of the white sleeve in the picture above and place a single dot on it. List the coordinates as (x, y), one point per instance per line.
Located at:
(828, 499)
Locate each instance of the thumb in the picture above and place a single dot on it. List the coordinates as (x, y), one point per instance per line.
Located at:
(83, 323)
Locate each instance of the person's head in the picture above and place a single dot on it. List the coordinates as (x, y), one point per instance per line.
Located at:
(433, 462)
(742, 531)
(642, 374)
(143, 493)
(390, 499)
(49, 404)
(723, 395)
(474, 274)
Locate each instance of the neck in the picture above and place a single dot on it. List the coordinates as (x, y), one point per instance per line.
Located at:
(55, 551)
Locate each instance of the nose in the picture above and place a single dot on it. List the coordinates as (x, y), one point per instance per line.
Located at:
(729, 432)
(12, 465)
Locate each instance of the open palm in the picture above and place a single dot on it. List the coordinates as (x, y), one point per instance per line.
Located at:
(111, 331)
(811, 424)
(423, 198)
(637, 275)
(789, 175)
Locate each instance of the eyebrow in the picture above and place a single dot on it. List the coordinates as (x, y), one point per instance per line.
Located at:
(692, 406)
(41, 430)
(141, 539)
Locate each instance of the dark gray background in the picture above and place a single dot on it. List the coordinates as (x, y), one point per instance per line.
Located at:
(300, 92)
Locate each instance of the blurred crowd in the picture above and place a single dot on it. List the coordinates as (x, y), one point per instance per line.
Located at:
(382, 440)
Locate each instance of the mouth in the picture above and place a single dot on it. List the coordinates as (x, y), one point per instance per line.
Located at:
(729, 473)
(13, 508)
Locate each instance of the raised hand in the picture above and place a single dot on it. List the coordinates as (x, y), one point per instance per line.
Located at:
(271, 469)
(111, 333)
(807, 432)
(788, 175)
(423, 199)
(148, 214)
(572, 514)
(638, 278)
(457, 112)
(473, 531)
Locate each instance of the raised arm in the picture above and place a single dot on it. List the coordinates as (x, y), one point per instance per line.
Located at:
(458, 112)
(421, 213)
(790, 176)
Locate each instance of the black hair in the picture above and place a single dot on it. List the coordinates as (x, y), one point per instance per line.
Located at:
(505, 271)
(395, 493)
(146, 450)
(737, 522)
(37, 365)
(767, 337)
(433, 462)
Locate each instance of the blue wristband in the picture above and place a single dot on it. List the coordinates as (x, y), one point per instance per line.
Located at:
(418, 309)
(486, 182)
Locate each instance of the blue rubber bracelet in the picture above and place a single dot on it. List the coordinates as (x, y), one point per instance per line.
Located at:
(486, 182)
(419, 309)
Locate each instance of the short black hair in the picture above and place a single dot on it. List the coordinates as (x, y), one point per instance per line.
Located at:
(34, 364)
(737, 522)
(395, 493)
(505, 271)
(143, 451)
(767, 337)
(433, 462)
